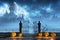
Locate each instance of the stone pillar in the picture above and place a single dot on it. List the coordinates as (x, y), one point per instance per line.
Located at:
(39, 27)
(20, 27)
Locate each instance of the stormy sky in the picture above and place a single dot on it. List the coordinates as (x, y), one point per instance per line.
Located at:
(29, 11)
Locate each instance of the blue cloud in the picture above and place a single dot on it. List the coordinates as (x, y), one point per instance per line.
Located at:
(45, 13)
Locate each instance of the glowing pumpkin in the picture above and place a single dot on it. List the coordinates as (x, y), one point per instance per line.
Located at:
(20, 34)
(40, 34)
(13, 34)
(53, 35)
(46, 34)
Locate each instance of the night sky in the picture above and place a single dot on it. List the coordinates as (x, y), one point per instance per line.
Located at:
(46, 11)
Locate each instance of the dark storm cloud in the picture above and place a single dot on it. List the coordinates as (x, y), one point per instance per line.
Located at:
(35, 10)
(30, 1)
(41, 3)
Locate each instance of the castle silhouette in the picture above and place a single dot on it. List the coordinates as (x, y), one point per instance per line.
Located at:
(39, 27)
(21, 18)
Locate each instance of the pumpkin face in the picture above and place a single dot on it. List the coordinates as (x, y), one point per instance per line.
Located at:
(40, 34)
(20, 34)
(13, 34)
(53, 35)
(46, 34)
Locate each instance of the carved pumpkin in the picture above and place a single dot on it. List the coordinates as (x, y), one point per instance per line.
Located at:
(53, 35)
(40, 34)
(20, 34)
(13, 34)
(46, 34)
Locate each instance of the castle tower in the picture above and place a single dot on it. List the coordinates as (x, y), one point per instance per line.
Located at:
(35, 27)
(25, 27)
(11, 8)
